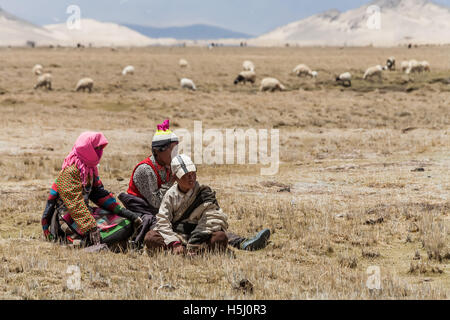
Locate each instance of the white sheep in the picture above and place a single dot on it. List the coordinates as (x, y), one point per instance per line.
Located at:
(345, 78)
(188, 84)
(374, 72)
(304, 70)
(271, 84)
(404, 65)
(85, 83)
(245, 76)
(425, 65)
(183, 63)
(248, 66)
(44, 80)
(128, 70)
(390, 63)
(414, 66)
(38, 69)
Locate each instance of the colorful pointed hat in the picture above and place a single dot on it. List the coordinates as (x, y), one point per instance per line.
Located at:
(163, 135)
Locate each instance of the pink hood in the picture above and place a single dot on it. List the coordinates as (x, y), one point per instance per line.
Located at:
(84, 155)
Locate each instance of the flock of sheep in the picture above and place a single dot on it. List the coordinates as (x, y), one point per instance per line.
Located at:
(248, 74)
(412, 66)
(45, 80)
(302, 70)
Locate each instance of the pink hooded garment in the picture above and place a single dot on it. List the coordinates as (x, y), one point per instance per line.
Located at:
(84, 155)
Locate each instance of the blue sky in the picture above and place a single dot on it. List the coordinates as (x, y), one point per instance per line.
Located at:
(250, 16)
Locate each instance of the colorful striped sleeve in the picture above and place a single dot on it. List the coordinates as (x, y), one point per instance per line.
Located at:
(70, 190)
(103, 198)
(49, 210)
(53, 194)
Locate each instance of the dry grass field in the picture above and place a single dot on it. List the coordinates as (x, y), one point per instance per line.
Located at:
(347, 195)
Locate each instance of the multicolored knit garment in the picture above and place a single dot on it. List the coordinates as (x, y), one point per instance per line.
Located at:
(49, 211)
(71, 200)
(104, 220)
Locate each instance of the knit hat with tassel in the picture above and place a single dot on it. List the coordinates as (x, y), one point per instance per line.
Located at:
(163, 136)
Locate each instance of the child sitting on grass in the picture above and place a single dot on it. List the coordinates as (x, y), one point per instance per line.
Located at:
(189, 218)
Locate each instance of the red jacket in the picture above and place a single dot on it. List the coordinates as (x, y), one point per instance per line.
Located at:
(133, 190)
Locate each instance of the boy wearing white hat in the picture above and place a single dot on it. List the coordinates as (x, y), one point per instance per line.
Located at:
(189, 217)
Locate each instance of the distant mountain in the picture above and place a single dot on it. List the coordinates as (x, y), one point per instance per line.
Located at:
(193, 32)
(99, 34)
(16, 32)
(402, 21)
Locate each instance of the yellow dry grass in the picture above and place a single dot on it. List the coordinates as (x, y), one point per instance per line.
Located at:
(354, 200)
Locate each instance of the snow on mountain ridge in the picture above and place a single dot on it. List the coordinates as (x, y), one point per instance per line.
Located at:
(402, 21)
(15, 31)
(98, 34)
(396, 3)
(329, 14)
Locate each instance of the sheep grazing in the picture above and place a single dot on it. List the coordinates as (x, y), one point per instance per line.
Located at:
(271, 84)
(85, 83)
(414, 66)
(128, 70)
(188, 84)
(390, 63)
(245, 76)
(183, 63)
(404, 65)
(373, 72)
(248, 66)
(45, 81)
(425, 66)
(345, 78)
(38, 69)
(304, 70)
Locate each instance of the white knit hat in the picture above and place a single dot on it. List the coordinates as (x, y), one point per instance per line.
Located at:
(181, 165)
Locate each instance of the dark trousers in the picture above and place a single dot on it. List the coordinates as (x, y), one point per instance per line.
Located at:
(234, 240)
(147, 212)
(137, 204)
